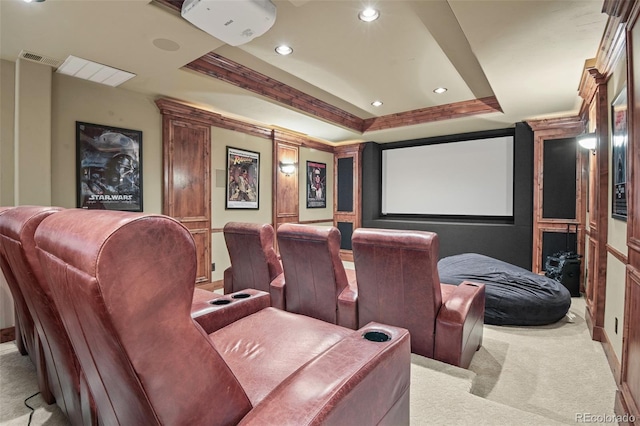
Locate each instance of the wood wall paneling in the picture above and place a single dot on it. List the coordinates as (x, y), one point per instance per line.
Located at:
(628, 398)
(187, 184)
(546, 133)
(347, 215)
(593, 89)
(287, 197)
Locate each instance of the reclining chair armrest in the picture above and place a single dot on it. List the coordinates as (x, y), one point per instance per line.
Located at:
(348, 306)
(228, 280)
(223, 310)
(374, 385)
(276, 288)
(459, 324)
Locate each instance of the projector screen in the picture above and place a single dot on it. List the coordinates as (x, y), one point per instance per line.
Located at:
(466, 178)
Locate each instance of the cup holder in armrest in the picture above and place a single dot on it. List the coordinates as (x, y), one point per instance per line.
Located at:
(240, 296)
(220, 302)
(376, 336)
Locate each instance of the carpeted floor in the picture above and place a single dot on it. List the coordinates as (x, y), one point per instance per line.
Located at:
(521, 376)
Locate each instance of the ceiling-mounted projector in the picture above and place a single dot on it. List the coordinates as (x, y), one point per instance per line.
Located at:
(233, 21)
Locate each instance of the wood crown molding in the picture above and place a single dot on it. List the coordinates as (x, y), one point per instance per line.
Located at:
(188, 112)
(224, 69)
(571, 124)
(234, 73)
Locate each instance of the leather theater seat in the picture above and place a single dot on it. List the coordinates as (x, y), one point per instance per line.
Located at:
(63, 380)
(398, 284)
(317, 283)
(254, 262)
(124, 284)
(24, 329)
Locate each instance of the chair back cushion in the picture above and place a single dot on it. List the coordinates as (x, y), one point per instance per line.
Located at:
(398, 281)
(24, 327)
(313, 270)
(124, 283)
(254, 261)
(17, 229)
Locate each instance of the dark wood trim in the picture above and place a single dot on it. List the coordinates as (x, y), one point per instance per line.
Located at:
(190, 113)
(544, 130)
(617, 254)
(311, 222)
(7, 334)
(231, 72)
(612, 358)
(221, 68)
(431, 114)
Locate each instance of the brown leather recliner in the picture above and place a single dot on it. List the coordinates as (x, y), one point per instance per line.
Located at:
(64, 378)
(318, 285)
(398, 284)
(23, 323)
(124, 285)
(254, 261)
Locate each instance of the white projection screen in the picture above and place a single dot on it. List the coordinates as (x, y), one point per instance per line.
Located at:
(466, 178)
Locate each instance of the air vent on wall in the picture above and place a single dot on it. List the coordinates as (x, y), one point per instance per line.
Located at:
(34, 57)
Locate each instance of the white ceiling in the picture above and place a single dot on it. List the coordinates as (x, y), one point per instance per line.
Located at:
(528, 54)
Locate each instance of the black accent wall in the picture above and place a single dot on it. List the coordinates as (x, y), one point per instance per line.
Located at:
(511, 242)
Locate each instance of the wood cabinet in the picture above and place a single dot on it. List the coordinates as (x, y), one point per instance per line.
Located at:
(187, 181)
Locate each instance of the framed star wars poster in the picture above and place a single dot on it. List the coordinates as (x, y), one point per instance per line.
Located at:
(108, 167)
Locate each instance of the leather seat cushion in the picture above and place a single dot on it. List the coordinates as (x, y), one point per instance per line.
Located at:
(259, 363)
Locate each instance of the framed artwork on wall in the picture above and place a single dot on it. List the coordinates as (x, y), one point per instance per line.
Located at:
(619, 144)
(243, 179)
(316, 185)
(108, 167)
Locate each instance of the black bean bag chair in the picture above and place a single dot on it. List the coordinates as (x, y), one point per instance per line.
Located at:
(513, 295)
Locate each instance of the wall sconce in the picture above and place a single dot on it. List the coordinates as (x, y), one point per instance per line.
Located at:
(588, 141)
(287, 168)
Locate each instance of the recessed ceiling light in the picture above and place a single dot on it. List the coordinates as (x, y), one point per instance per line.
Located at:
(284, 50)
(376, 103)
(369, 14)
(33, 1)
(440, 90)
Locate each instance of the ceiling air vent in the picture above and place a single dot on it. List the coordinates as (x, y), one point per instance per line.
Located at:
(34, 57)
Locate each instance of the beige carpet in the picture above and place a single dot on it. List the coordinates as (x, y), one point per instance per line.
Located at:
(521, 376)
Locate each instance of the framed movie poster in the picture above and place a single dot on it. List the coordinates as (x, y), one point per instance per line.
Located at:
(619, 155)
(108, 167)
(316, 185)
(243, 179)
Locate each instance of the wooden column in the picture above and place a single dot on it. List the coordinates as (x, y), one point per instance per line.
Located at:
(628, 397)
(548, 131)
(347, 206)
(593, 89)
(286, 198)
(187, 180)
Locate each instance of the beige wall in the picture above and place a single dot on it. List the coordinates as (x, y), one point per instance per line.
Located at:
(616, 238)
(32, 134)
(220, 139)
(79, 100)
(7, 101)
(72, 100)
